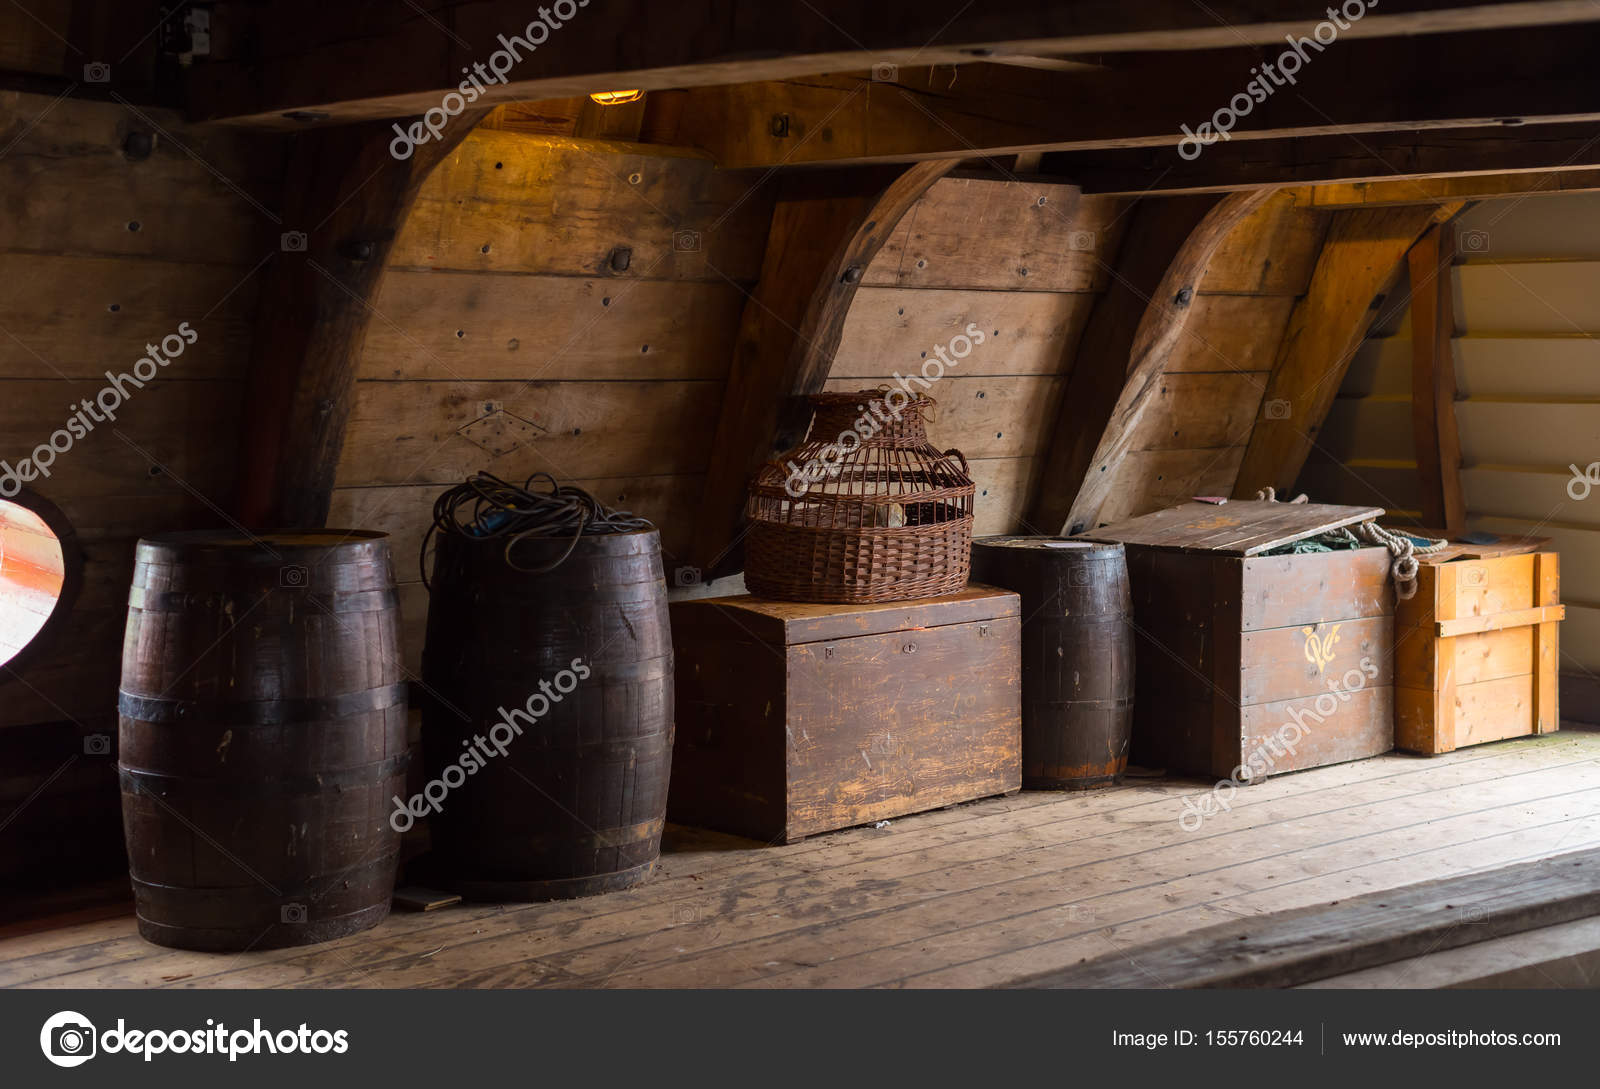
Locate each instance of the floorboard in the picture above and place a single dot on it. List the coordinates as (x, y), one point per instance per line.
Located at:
(974, 895)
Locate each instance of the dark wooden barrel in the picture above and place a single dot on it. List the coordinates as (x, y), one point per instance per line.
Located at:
(1077, 655)
(561, 685)
(263, 733)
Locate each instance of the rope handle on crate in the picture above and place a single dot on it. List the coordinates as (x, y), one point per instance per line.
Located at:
(1402, 568)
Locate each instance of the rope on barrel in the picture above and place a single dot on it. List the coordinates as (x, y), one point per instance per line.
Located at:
(484, 507)
(1403, 548)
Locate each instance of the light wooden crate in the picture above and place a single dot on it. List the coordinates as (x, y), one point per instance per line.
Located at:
(1476, 652)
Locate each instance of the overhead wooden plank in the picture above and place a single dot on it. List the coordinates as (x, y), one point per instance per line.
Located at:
(1363, 250)
(1532, 183)
(1099, 363)
(367, 63)
(1433, 380)
(1359, 88)
(1160, 328)
(1293, 947)
(347, 196)
(1438, 164)
(825, 231)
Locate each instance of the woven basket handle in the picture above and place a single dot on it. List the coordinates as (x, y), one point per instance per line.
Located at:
(953, 452)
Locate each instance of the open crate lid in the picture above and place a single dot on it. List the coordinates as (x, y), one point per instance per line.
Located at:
(1239, 527)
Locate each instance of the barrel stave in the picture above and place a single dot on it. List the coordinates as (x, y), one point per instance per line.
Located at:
(263, 733)
(577, 802)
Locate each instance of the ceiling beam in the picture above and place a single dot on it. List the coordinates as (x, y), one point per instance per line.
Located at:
(352, 62)
(1526, 77)
(1389, 158)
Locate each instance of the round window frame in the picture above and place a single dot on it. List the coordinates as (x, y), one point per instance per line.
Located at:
(72, 566)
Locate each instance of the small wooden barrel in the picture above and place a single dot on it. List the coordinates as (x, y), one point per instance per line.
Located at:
(1077, 655)
(263, 732)
(547, 734)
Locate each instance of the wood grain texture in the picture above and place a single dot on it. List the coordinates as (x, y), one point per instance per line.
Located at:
(344, 66)
(1328, 939)
(1476, 652)
(349, 195)
(261, 692)
(1097, 366)
(822, 239)
(1159, 330)
(797, 719)
(1360, 256)
(1433, 380)
(970, 896)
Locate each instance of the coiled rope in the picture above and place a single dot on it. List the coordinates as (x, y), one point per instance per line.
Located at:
(1402, 548)
(484, 507)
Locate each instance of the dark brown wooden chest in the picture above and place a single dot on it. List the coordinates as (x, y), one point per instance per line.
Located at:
(795, 719)
(1253, 665)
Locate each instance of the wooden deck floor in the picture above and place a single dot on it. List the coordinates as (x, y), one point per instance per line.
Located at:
(969, 896)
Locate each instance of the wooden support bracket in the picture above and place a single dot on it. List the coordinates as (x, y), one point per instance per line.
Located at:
(347, 196)
(1161, 324)
(825, 231)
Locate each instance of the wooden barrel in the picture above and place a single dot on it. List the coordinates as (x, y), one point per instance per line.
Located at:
(263, 732)
(547, 732)
(1077, 655)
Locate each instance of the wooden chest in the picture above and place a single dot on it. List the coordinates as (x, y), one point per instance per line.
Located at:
(1253, 665)
(795, 718)
(1476, 651)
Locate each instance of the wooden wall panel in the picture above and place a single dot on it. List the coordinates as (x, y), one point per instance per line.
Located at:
(507, 339)
(507, 202)
(889, 329)
(1001, 236)
(957, 258)
(85, 293)
(444, 325)
(1191, 439)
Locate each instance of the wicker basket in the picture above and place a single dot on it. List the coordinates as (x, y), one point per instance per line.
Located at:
(885, 518)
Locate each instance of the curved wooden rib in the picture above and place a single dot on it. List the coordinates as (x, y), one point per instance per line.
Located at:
(1362, 253)
(347, 196)
(825, 231)
(1158, 333)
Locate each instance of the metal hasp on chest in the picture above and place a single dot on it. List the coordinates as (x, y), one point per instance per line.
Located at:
(1252, 665)
(798, 718)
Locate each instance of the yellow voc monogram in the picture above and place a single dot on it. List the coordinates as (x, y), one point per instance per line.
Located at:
(1319, 649)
